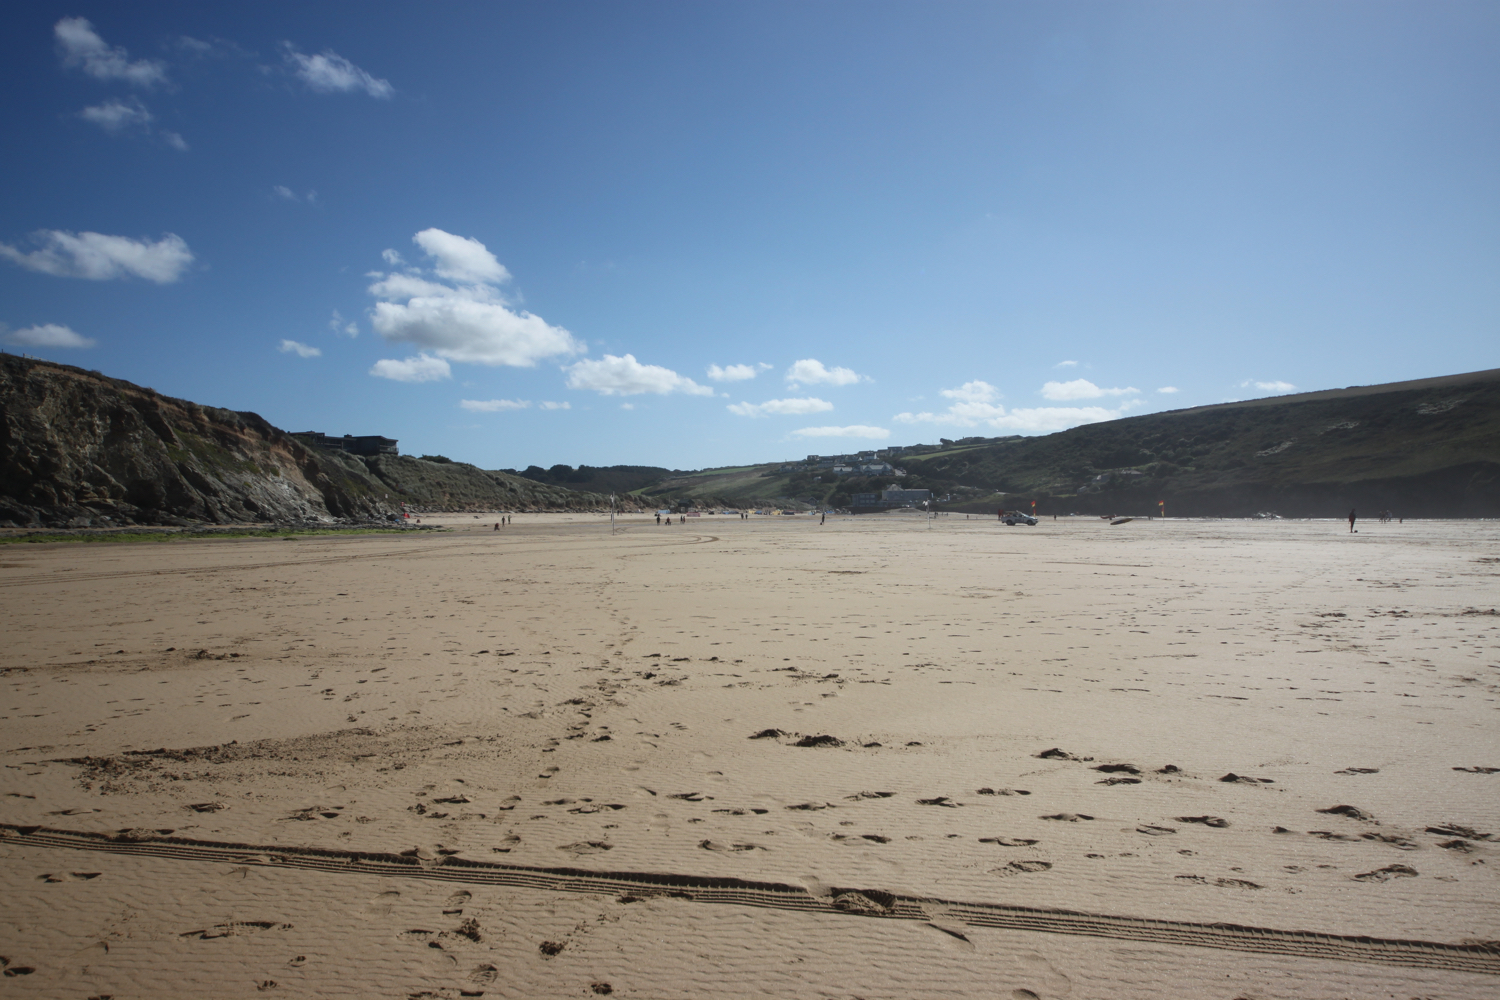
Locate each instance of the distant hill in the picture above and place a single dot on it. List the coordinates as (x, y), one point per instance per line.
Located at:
(609, 479)
(1424, 448)
(78, 449)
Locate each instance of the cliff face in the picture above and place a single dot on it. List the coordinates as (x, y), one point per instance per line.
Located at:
(80, 449)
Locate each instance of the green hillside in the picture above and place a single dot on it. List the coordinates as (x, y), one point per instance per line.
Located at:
(1429, 447)
(1424, 448)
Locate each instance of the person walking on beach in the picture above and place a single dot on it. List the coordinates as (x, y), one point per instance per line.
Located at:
(1351, 522)
(658, 517)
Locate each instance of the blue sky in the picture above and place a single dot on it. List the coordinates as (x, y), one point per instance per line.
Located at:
(690, 234)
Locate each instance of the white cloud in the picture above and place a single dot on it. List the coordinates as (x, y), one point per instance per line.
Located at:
(795, 407)
(466, 321)
(176, 141)
(974, 406)
(1066, 364)
(1268, 386)
(282, 191)
(461, 258)
(1081, 388)
(973, 392)
(627, 406)
(116, 115)
(549, 405)
(493, 405)
(615, 376)
(852, 431)
(44, 335)
(422, 368)
(392, 257)
(81, 46)
(300, 349)
(812, 371)
(338, 324)
(331, 73)
(98, 257)
(1168, 389)
(1033, 420)
(736, 373)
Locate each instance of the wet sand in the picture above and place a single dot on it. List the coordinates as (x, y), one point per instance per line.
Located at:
(521, 762)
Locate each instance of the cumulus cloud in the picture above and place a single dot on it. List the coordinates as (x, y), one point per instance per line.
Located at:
(550, 405)
(461, 258)
(493, 405)
(1268, 386)
(972, 392)
(793, 407)
(330, 73)
(44, 335)
(1168, 389)
(285, 193)
(99, 258)
(466, 319)
(81, 47)
(616, 376)
(812, 371)
(852, 431)
(736, 373)
(116, 115)
(176, 141)
(1066, 364)
(300, 349)
(422, 368)
(1081, 388)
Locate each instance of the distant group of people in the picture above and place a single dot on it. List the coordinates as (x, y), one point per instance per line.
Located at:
(503, 520)
(1385, 518)
(680, 520)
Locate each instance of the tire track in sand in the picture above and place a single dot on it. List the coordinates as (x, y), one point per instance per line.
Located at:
(1481, 958)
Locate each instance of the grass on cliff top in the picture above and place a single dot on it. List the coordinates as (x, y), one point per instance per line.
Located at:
(190, 534)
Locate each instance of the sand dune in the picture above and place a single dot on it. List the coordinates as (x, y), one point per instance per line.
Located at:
(745, 758)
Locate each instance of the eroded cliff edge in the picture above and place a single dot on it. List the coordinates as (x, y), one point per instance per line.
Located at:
(81, 449)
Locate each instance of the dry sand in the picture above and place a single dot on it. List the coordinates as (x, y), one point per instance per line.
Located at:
(519, 763)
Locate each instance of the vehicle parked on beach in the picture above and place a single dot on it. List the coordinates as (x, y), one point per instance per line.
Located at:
(1015, 517)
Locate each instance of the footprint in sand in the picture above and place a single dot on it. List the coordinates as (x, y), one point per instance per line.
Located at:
(455, 903)
(1350, 811)
(1216, 822)
(69, 876)
(1155, 831)
(587, 847)
(382, 904)
(1052, 982)
(1022, 868)
(1387, 873)
(1068, 817)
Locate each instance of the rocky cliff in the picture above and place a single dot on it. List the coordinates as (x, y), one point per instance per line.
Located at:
(79, 449)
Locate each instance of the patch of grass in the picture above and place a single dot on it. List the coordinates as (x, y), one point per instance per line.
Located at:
(191, 534)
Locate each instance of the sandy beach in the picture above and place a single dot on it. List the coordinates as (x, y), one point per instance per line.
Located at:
(874, 758)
